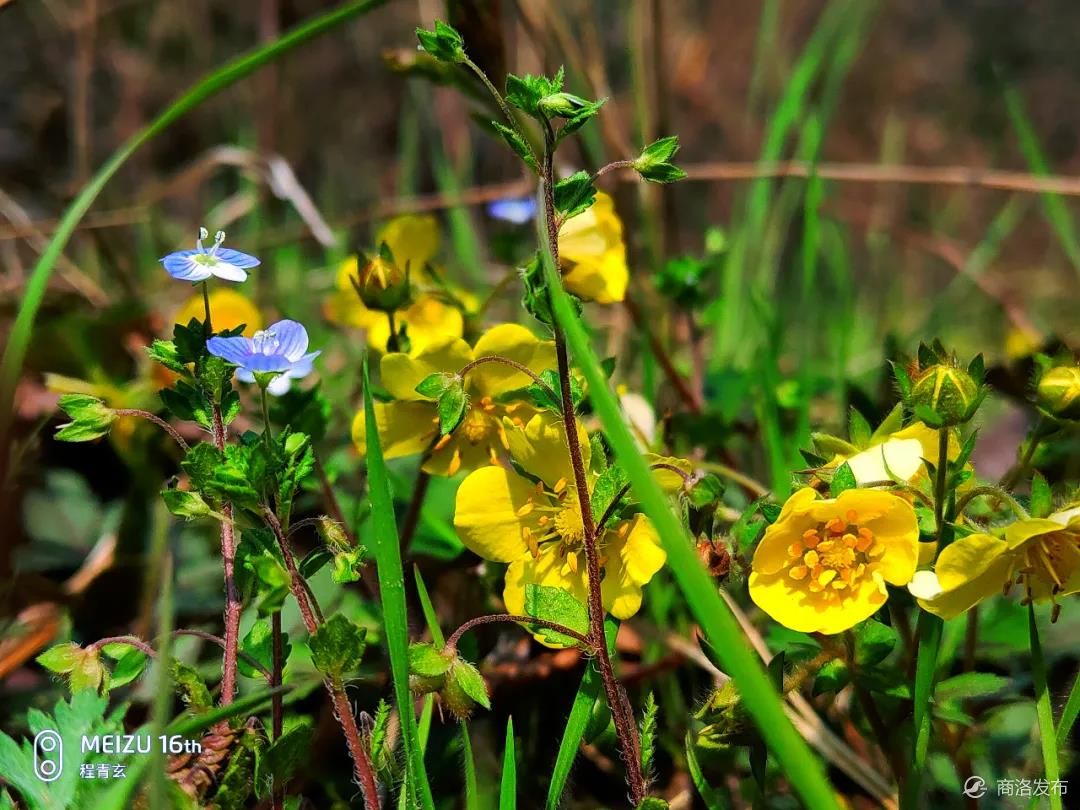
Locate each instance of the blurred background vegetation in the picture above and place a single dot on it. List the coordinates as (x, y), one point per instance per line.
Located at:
(899, 198)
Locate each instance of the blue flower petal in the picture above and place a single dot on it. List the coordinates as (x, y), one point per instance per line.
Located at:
(517, 210)
(279, 385)
(292, 338)
(180, 265)
(266, 362)
(302, 367)
(234, 349)
(236, 258)
(243, 375)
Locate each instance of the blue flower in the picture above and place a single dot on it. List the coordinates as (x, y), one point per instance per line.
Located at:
(201, 263)
(279, 349)
(518, 210)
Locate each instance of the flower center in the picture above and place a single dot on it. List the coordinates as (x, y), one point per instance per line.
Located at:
(568, 523)
(834, 556)
(479, 422)
(1049, 561)
(265, 342)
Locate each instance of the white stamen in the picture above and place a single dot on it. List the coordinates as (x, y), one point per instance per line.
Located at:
(219, 237)
(203, 234)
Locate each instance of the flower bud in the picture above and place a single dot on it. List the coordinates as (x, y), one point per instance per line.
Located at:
(1059, 392)
(561, 104)
(940, 391)
(333, 534)
(381, 283)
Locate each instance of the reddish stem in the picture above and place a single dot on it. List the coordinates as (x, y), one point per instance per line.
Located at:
(232, 594)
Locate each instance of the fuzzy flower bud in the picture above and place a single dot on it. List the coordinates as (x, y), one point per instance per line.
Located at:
(941, 391)
(561, 104)
(1059, 392)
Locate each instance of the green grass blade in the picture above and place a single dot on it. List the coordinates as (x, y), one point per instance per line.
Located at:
(588, 693)
(429, 611)
(392, 590)
(1044, 710)
(720, 628)
(508, 782)
(228, 74)
(163, 694)
(1057, 213)
(1069, 713)
(472, 792)
(928, 631)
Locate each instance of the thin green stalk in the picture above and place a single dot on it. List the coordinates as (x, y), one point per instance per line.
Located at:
(1069, 713)
(161, 707)
(1038, 432)
(392, 592)
(1044, 710)
(508, 781)
(207, 327)
(19, 338)
(765, 706)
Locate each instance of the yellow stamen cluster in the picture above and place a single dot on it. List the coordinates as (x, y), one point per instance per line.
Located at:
(558, 519)
(834, 556)
(1050, 558)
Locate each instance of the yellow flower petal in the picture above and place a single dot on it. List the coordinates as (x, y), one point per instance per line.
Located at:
(593, 253)
(428, 321)
(898, 530)
(412, 238)
(902, 457)
(1020, 532)
(604, 281)
(772, 552)
(632, 560)
(541, 449)
(405, 428)
(789, 603)
(969, 570)
(457, 454)
(515, 343)
(401, 372)
(485, 513)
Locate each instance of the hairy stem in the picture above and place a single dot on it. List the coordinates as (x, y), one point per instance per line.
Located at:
(142, 646)
(621, 712)
(451, 643)
(1038, 433)
(506, 361)
(363, 770)
(991, 492)
(509, 115)
(157, 420)
(232, 593)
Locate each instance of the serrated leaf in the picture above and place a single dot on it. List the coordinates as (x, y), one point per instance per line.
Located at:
(574, 195)
(707, 490)
(165, 353)
(607, 487)
(258, 643)
(428, 661)
(90, 418)
(556, 605)
(843, 480)
(433, 385)
(185, 504)
(338, 646)
(516, 143)
(444, 43)
(190, 687)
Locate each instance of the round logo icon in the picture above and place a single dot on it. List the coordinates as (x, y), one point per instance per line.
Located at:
(975, 787)
(48, 755)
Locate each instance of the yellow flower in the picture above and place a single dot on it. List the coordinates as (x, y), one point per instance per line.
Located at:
(428, 319)
(901, 453)
(822, 566)
(537, 527)
(593, 254)
(1043, 554)
(228, 309)
(410, 424)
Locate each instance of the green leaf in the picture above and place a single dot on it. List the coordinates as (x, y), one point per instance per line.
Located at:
(843, 479)
(451, 407)
(892, 423)
(470, 681)
(525, 92)
(90, 418)
(190, 687)
(580, 118)
(428, 661)
(607, 487)
(165, 353)
(662, 173)
(706, 491)
(556, 605)
(62, 658)
(549, 398)
(574, 195)
(1042, 499)
(337, 646)
(279, 761)
(829, 446)
(129, 666)
(434, 385)
(971, 685)
(659, 151)
(873, 642)
(185, 504)
(647, 733)
(444, 43)
(832, 677)
(858, 429)
(259, 644)
(712, 798)
(516, 143)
